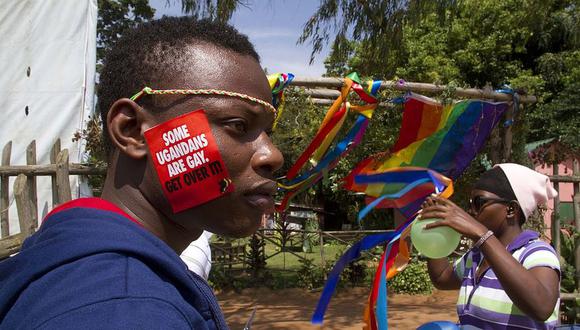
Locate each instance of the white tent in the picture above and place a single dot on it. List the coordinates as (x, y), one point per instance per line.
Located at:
(47, 78)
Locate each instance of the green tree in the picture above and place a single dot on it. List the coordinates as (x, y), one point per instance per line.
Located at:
(221, 10)
(558, 114)
(531, 45)
(117, 15)
(378, 23)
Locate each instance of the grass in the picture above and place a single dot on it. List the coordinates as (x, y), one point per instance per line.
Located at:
(284, 269)
(290, 262)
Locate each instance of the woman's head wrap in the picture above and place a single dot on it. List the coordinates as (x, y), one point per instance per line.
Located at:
(517, 182)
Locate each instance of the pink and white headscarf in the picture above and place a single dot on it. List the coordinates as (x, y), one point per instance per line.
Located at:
(530, 187)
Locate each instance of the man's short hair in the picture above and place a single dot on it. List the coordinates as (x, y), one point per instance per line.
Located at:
(152, 50)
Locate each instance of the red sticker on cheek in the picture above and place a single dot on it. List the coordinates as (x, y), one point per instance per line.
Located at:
(187, 160)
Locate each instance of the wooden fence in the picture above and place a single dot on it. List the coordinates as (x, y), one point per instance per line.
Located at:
(25, 192)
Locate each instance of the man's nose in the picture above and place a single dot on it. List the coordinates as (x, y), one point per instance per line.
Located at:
(267, 157)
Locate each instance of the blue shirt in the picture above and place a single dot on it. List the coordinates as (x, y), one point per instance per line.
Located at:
(90, 266)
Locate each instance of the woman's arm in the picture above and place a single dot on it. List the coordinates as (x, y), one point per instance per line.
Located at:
(442, 274)
(534, 291)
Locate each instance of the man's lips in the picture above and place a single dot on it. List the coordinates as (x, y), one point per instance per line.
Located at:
(261, 195)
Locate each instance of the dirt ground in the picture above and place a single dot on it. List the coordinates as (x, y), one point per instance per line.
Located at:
(292, 309)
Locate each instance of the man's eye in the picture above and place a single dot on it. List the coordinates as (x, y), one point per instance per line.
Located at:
(239, 126)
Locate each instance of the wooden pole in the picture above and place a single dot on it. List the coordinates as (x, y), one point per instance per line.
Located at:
(31, 160)
(495, 142)
(564, 178)
(414, 87)
(10, 245)
(24, 205)
(508, 137)
(54, 151)
(556, 213)
(4, 195)
(62, 177)
(50, 170)
(321, 238)
(329, 102)
(576, 199)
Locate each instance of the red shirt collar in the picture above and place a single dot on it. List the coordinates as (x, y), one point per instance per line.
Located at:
(93, 203)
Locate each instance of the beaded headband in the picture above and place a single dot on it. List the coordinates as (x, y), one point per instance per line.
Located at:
(149, 91)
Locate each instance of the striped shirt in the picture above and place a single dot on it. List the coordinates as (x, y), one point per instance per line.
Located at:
(485, 305)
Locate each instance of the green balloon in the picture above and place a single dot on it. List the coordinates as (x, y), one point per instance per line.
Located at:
(436, 242)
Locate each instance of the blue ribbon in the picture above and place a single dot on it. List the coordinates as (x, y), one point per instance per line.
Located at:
(351, 254)
(506, 89)
(381, 307)
(365, 211)
(375, 87)
(399, 177)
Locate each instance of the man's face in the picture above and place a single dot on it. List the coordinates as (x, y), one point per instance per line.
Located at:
(240, 129)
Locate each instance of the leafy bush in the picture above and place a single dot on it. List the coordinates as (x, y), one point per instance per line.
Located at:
(310, 276)
(412, 280)
(570, 309)
(255, 256)
(355, 274)
(222, 279)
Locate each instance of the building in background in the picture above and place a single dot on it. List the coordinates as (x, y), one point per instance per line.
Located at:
(550, 157)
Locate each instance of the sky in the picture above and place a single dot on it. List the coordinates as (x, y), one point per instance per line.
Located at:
(274, 27)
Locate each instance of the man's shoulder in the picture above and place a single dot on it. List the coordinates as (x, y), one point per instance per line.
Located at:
(124, 313)
(111, 275)
(103, 281)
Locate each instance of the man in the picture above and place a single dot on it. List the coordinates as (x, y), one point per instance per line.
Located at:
(188, 153)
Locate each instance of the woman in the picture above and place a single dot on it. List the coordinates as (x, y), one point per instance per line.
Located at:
(509, 279)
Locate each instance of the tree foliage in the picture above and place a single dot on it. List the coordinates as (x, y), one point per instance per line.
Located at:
(117, 15)
(532, 45)
(377, 22)
(221, 10)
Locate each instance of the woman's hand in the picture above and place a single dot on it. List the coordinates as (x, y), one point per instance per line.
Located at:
(451, 215)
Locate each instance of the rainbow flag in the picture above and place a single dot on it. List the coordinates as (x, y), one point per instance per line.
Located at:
(441, 138)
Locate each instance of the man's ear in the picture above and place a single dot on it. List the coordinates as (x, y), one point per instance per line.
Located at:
(125, 123)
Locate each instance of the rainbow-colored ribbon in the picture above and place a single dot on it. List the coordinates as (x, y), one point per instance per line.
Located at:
(317, 153)
(278, 83)
(396, 255)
